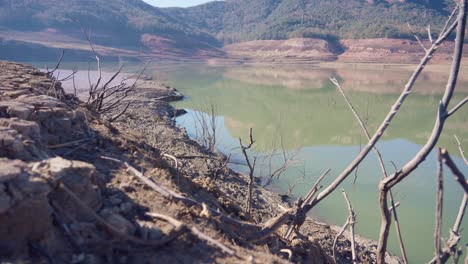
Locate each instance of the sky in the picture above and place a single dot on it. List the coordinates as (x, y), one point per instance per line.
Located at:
(178, 3)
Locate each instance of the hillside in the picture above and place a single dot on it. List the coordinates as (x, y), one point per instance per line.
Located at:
(241, 20)
(131, 25)
(40, 29)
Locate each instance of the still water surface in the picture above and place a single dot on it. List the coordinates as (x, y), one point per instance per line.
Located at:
(301, 107)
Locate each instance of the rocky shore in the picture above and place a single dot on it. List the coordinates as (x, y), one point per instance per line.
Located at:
(75, 188)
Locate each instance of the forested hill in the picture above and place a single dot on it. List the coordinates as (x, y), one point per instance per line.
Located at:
(116, 22)
(240, 20)
(136, 28)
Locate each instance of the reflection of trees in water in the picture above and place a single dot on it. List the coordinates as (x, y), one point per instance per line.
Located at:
(317, 116)
(365, 80)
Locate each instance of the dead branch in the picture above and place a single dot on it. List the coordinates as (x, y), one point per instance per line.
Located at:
(200, 235)
(439, 207)
(382, 167)
(460, 148)
(251, 166)
(57, 65)
(352, 222)
(206, 126)
(340, 233)
(176, 163)
(227, 221)
(458, 106)
(388, 183)
(459, 177)
(417, 38)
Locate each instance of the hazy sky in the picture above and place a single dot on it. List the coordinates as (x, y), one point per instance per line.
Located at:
(179, 3)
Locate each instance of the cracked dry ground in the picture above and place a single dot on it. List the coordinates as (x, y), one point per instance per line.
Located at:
(71, 189)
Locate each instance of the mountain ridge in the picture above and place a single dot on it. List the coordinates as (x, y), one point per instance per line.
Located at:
(200, 32)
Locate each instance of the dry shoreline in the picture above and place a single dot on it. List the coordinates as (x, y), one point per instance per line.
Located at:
(45, 125)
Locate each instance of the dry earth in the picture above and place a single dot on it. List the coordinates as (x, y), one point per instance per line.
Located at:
(66, 198)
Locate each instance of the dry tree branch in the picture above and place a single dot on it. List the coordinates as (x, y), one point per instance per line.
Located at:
(388, 183)
(429, 34)
(417, 38)
(196, 232)
(458, 106)
(454, 238)
(57, 65)
(460, 148)
(251, 169)
(172, 195)
(350, 221)
(382, 167)
(439, 207)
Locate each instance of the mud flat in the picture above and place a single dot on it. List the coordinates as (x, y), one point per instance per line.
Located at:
(71, 188)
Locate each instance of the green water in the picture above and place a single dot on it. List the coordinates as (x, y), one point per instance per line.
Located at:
(300, 105)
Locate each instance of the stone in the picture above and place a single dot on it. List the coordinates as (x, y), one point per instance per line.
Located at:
(26, 128)
(120, 223)
(11, 169)
(5, 202)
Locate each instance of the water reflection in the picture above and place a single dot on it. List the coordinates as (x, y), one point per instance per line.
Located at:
(301, 105)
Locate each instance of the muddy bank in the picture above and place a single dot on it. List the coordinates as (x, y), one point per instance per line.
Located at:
(62, 166)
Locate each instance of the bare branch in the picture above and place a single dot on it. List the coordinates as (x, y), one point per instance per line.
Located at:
(429, 34)
(382, 167)
(352, 222)
(460, 148)
(397, 177)
(457, 107)
(417, 38)
(459, 177)
(439, 207)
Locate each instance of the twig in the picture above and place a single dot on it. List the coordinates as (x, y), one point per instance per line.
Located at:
(69, 144)
(460, 148)
(251, 169)
(195, 232)
(352, 222)
(459, 177)
(417, 38)
(176, 163)
(340, 233)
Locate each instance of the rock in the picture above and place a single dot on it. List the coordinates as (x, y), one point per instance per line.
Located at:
(149, 231)
(11, 169)
(120, 223)
(26, 128)
(79, 177)
(126, 207)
